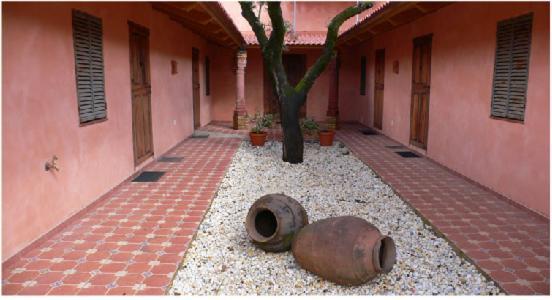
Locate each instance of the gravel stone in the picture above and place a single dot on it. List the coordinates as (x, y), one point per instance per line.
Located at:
(222, 261)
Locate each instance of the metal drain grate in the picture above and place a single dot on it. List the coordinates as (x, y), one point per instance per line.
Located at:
(407, 154)
(148, 176)
(395, 147)
(170, 159)
(368, 131)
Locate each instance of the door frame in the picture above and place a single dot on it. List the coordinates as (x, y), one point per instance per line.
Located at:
(196, 101)
(378, 52)
(134, 28)
(427, 38)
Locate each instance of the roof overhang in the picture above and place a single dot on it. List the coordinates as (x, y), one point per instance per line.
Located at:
(208, 19)
(388, 17)
(297, 39)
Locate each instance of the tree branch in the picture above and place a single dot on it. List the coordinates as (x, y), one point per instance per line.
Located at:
(315, 70)
(256, 25)
(278, 27)
(276, 44)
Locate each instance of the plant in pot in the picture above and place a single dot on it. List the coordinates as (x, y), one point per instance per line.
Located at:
(257, 135)
(310, 127)
(326, 136)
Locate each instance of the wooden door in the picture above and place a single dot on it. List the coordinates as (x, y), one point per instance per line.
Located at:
(378, 87)
(196, 87)
(141, 92)
(295, 66)
(421, 78)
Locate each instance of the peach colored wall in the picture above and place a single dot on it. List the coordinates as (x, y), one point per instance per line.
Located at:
(40, 114)
(510, 158)
(224, 93)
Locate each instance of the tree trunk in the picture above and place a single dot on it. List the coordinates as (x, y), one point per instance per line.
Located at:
(292, 146)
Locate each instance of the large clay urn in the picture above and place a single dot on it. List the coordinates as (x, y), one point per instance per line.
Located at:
(273, 220)
(345, 250)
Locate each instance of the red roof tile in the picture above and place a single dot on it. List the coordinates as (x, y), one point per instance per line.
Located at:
(303, 38)
(378, 5)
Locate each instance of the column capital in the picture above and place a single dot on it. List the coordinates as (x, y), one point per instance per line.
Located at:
(241, 59)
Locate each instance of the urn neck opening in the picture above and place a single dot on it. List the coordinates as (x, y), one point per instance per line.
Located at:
(266, 224)
(384, 254)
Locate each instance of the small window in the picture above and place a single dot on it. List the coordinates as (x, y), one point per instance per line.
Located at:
(89, 67)
(207, 76)
(511, 69)
(363, 75)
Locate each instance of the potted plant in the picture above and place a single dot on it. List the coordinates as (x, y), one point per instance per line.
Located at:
(326, 136)
(310, 127)
(257, 135)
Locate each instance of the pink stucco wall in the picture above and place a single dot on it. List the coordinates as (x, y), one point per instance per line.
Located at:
(224, 93)
(510, 158)
(40, 115)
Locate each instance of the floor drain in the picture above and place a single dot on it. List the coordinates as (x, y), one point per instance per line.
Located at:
(148, 176)
(394, 147)
(170, 159)
(407, 154)
(200, 135)
(368, 131)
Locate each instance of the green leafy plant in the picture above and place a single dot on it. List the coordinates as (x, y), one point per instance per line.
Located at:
(309, 126)
(261, 122)
(325, 128)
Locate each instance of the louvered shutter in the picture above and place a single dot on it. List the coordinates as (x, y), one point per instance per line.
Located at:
(89, 68)
(513, 41)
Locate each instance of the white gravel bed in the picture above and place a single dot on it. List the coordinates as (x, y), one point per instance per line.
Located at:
(222, 260)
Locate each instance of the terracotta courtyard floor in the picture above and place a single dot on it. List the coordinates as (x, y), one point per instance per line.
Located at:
(505, 241)
(132, 240)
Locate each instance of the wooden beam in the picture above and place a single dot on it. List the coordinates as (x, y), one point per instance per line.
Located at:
(417, 6)
(186, 6)
(216, 14)
(180, 17)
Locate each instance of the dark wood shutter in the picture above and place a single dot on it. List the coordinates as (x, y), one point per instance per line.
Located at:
(207, 76)
(89, 68)
(511, 70)
(363, 75)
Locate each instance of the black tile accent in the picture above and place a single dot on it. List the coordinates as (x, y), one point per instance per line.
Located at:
(368, 131)
(407, 154)
(170, 159)
(148, 176)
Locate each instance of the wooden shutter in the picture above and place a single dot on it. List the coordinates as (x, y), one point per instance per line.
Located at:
(513, 41)
(89, 68)
(207, 76)
(363, 75)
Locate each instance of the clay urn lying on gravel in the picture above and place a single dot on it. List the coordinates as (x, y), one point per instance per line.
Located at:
(273, 220)
(346, 250)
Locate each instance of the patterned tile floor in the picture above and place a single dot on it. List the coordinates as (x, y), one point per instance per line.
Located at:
(509, 243)
(131, 240)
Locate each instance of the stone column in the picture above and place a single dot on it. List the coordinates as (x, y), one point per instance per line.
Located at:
(332, 115)
(240, 112)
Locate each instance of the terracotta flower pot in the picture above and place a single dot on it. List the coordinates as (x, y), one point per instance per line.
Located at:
(257, 139)
(326, 137)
